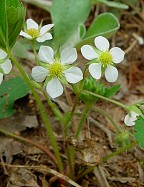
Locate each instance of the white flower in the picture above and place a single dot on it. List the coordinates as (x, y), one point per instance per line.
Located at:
(5, 64)
(130, 118)
(33, 31)
(55, 69)
(104, 59)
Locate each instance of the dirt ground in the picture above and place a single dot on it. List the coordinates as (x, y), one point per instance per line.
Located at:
(30, 162)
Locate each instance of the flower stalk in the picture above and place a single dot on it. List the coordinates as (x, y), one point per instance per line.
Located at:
(41, 109)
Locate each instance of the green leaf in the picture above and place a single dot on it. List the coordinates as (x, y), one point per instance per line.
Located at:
(139, 128)
(10, 91)
(105, 24)
(3, 17)
(11, 20)
(67, 15)
(112, 91)
(111, 4)
(76, 37)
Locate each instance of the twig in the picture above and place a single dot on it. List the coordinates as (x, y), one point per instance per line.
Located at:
(45, 150)
(45, 169)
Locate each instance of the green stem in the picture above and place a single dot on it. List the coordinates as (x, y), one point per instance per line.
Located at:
(33, 47)
(82, 174)
(121, 150)
(75, 104)
(108, 117)
(82, 120)
(107, 99)
(78, 94)
(41, 109)
(53, 106)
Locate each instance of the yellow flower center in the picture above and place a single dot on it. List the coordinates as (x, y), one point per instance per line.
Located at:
(56, 69)
(33, 32)
(105, 58)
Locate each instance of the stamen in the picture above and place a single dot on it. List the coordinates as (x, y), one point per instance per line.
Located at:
(105, 58)
(33, 32)
(56, 69)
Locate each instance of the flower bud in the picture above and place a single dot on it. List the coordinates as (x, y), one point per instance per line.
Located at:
(123, 138)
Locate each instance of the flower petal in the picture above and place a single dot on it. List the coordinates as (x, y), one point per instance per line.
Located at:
(95, 70)
(88, 52)
(101, 43)
(39, 73)
(111, 73)
(73, 75)
(31, 24)
(3, 54)
(46, 54)
(1, 78)
(68, 55)
(25, 35)
(46, 36)
(54, 88)
(129, 119)
(117, 54)
(6, 66)
(46, 28)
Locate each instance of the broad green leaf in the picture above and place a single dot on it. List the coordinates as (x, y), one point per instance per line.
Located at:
(3, 17)
(139, 128)
(15, 20)
(67, 15)
(76, 37)
(105, 24)
(10, 91)
(111, 4)
(11, 20)
(112, 91)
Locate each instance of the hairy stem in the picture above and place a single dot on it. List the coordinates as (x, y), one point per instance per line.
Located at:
(106, 99)
(41, 109)
(121, 150)
(82, 120)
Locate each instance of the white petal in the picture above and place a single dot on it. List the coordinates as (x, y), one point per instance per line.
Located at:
(25, 35)
(101, 43)
(68, 55)
(54, 88)
(44, 37)
(88, 52)
(46, 28)
(31, 24)
(46, 54)
(129, 119)
(39, 73)
(111, 73)
(117, 54)
(6, 66)
(73, 75)
(1, 78)
(3, 54)
(95, 70)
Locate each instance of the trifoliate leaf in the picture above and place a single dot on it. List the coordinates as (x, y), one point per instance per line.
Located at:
(94, 86)
(139, 128)
(112, 91)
